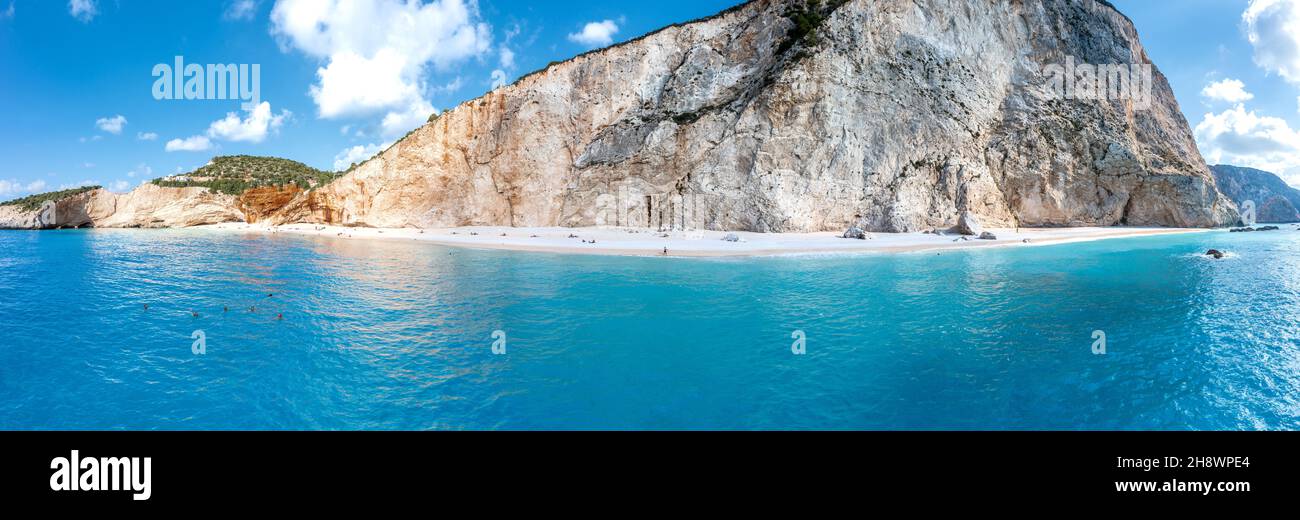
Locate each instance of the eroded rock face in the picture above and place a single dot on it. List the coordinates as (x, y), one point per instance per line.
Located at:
(148, 206)
(905, 114)
(1274, 200)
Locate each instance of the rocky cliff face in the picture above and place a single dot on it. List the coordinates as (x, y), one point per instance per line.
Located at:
(1274, 200)
(148, 206)
(895, 115)
(775, 116)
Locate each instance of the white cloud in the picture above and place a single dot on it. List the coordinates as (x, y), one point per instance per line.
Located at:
(1273, 29)
(142, 170)
(374, 60)
(507, 58)
(415, 116)
(357, 154)
(450, 88)
(11, 188)
(596, 34)
(240, 10)
(498, 79)
(1227, 89)
(84, 10)
(8, 13)
(88, 165)
(119, 186)
(112, 125)
(146, 136)
(1244, 138)
(196, 143)
(253, 129)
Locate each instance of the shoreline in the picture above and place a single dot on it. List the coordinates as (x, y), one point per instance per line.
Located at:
(698, 244)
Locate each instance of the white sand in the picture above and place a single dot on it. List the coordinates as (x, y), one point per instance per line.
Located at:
(645, 242)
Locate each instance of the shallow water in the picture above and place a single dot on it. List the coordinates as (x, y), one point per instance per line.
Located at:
(398, 335)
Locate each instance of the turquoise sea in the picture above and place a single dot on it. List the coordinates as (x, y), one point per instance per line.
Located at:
(399, 335)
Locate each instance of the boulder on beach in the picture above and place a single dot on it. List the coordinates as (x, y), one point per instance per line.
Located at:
(731, 237)
(967, 224)
(988, 236)
(855, 232)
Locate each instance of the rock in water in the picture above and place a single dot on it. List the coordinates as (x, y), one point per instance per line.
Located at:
(988, 236)
(1214, 253)
(967, 224)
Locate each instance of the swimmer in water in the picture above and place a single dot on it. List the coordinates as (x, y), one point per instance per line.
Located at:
(195, 314)
(146, 306)
(279, 316)
(252, 309)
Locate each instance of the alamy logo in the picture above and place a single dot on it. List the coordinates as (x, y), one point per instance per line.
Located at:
(1099, 343)
(800, 345)
(1100, 82)
(49, 214)
(211, 81)
(200, 345)
(1248, 212)
(102, 474)
(499, 342)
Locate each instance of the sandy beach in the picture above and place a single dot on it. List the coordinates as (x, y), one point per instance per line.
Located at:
(646, 242)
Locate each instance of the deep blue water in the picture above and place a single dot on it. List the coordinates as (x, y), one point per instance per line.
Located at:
(398, 335)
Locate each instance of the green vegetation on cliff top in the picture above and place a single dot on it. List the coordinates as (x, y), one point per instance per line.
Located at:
(236, 174)
(34, 202)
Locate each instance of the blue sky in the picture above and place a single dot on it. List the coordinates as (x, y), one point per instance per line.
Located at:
(76, 101)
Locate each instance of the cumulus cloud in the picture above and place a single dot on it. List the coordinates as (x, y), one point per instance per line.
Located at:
(146, 136)
(357, 155)
(259, 123)
(196, 143)
(84, 10)
(1227, 89)
(596, 34)
(253, 129)
(8, 13)
(1273, 29)
(1245, 138)
(372, 63)
(240, 10)
(112, 125)
(119, 186)
(11, 188)
(507, 58)
(398, 123)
